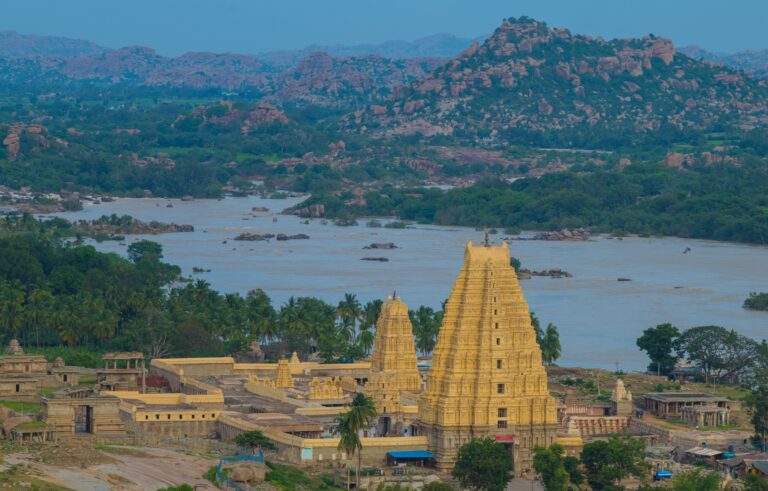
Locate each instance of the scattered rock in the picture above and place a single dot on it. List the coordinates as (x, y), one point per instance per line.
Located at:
(253, 237)
(624, 279)
(379, 259)
(381, 245)
(565, 234)
(292, 237)
(260, 209)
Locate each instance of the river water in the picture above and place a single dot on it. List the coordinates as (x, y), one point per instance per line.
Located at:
(599, 318)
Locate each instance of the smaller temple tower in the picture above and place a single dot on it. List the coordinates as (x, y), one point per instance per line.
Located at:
(621, 400)
(283, 378)
(393, 347)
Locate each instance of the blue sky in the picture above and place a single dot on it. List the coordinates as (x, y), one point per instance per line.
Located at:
(251, 26)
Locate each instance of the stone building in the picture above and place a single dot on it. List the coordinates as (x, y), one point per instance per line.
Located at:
(675, 405)
(81, 411)
(621, 400)
(122, 371)
(283, 378)
(487, 377)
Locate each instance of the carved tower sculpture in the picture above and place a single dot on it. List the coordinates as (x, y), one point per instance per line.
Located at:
(621, 400)
(487, 377)
(393, 347)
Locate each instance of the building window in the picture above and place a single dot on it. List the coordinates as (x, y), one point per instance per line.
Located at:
(169, 416)
(501, 424)
(157, 416)
(203, 416)
(18, 388)
(498, 364)
(146, 417)
(179, 416)
(193, 416)
(500, 389)
(497, 325)
(495, 312)
(498, 341)
(502, 412)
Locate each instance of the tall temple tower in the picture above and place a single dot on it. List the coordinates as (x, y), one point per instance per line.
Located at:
(393, 347)
(487, 378)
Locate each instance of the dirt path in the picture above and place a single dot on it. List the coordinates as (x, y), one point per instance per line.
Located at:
(159, 468)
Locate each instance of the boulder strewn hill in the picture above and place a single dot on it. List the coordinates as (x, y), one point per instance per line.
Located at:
(529, 83)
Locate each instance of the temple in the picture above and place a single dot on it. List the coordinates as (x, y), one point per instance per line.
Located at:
(393, 347)
(487, 377)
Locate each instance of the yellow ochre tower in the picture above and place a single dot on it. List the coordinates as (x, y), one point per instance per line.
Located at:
(393, 348)
(487, 378)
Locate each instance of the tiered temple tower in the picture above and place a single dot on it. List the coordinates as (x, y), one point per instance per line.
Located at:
(394, 351)
(621, 400)
(487, 378)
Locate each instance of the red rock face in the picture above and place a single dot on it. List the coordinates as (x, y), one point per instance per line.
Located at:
(532, 77)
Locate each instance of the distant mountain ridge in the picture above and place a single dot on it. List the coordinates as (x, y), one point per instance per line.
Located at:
(752, 61)
(15, 45)
(531, 83)
(435, 46)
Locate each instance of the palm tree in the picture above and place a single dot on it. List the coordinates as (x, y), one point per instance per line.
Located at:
(550, 345)
(349, 312)
(366, 338)
(360, 416)
(349, 440)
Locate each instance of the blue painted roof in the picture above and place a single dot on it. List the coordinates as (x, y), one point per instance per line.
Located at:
(411, 454)
(664, 473)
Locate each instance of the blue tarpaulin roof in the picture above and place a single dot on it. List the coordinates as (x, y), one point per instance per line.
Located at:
(411, 454)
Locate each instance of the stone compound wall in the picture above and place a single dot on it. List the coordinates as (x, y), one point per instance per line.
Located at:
(308, 451)
(601, 425)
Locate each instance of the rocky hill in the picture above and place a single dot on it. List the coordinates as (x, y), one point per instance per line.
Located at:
(529, 83)
(15, 45)
(319, 78)
(755, 62)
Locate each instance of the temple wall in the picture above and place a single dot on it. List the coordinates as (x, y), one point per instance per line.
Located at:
(602, 425)
(305, 451)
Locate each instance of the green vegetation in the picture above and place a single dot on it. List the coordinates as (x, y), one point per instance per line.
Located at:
(22, 407)
(63, 299)
(360, 416)
(180, 487)
(719, 202)
(289, 478)
(658, 343)
(608, 462)
(549, 463)
(483, 464)
(757, 301)
(253, 440)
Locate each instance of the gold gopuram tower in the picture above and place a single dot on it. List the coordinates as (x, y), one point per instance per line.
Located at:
(393, 347)
(487, 378)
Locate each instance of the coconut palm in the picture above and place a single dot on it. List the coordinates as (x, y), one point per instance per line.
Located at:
(349, 313)
(360, 416)
(550, 344)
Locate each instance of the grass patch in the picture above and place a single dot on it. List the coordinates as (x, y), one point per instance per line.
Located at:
(22, 407)
(72, 356)
(32, 424)
(289, 478)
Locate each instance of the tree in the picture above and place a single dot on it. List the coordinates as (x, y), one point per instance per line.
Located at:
(705, 346)
(550, 344)
(426, 324)
(548, 461)
(659, 343)
(753, 482)
(254, 439)
(145, 249)
(483, 465)
(361, 412)
(719, 351)
(537, 328)
(696, 480)
(608, 462)
(575, 475)
(758, 405)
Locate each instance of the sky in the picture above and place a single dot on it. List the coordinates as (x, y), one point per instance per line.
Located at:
(252, 26)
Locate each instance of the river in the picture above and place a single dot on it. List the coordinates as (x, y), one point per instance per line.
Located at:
(599, 318)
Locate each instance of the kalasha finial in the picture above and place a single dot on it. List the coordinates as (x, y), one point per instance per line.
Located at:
(394, 294)
(487, 240)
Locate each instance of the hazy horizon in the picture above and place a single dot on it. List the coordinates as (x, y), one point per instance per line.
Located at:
(173, 27)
